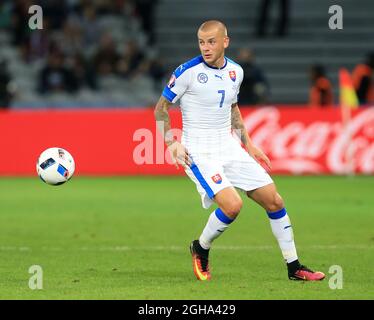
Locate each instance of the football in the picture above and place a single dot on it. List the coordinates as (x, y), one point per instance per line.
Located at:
(55, 166)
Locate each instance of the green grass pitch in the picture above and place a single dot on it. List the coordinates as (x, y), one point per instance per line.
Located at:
(128, 238)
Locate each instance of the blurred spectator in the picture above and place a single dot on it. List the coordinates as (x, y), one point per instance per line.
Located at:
(56, 11)
(321, 94)
(20, 16)
(109, 6)
(90, 26)
(363, 80)
(82, 72)
(283, 18)
(132, 61)
(255, 88)
(157, 72)
(71, 36)
(146, 9)
(37, 43)
(6, 93)
(106, 58)
(55, 77)
(32, 44)
(5, 15)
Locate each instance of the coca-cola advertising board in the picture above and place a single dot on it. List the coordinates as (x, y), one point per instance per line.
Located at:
(298, 140)
(314, 141)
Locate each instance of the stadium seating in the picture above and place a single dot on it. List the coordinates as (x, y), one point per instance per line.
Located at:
(285, 60)
(115, 91)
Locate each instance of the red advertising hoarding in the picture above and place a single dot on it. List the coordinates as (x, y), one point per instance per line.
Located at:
(124, 142)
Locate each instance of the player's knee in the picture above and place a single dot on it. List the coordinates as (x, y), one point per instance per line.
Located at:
(233, 208)
(275, 204)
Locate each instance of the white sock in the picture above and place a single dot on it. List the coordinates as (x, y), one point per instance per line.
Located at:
(216, 225)
(281, 226)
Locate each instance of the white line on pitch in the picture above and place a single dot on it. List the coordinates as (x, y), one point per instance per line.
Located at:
(179, 248)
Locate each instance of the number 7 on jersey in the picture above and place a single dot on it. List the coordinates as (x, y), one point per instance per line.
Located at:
(222, 98)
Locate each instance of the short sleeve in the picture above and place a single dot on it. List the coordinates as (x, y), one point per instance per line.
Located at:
(241, 75)
(177, 85)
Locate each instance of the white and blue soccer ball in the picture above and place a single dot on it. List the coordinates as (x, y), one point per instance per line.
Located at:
(55, 166)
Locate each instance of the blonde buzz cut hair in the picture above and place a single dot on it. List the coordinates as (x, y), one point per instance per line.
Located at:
(213, 24)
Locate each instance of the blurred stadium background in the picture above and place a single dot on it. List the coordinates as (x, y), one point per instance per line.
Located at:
(96, 56)
(121, 52)
(88, 82)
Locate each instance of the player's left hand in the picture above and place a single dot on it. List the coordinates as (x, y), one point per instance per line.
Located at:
(259, 156)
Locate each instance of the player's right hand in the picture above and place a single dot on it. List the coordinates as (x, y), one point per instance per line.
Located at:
(179, 154)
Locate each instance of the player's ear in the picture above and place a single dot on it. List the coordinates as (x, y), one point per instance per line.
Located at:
(226, 42)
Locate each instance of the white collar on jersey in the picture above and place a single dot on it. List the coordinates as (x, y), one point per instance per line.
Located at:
(223, 67)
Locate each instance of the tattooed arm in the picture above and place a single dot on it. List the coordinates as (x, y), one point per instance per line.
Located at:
(161, 113)
(178, 152)
(238, 126)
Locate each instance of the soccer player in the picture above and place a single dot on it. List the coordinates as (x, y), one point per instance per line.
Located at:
(207, 87)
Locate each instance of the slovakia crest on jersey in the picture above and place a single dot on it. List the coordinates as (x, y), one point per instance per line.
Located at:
(232, 75)
(217, 178)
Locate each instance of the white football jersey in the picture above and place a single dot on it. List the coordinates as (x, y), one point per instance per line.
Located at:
(206, 95)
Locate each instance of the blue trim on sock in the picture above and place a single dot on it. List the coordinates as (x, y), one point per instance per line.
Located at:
(277, 214)
(222, 217)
